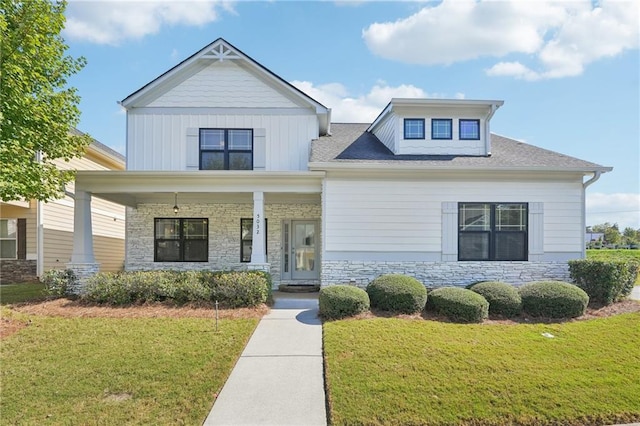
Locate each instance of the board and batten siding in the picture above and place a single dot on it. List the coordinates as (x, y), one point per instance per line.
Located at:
(407, 216)
(158, 138)
(225, 85)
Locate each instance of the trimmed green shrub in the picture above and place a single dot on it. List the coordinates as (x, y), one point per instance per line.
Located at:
(230, 289)
(59, 283)
(503, 298)
(107, 288)
(553, 299)
(397, 293)
(459, 304)
(340, 301)
(605, 281)
(238, 289)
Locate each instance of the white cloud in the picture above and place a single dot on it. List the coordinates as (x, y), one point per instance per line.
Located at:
(113, 21)
(363, 108)
(561, 37)
(620, 208)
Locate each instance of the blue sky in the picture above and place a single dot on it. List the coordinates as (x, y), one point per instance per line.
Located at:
(567, 71)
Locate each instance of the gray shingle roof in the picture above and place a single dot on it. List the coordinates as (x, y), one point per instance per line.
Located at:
(100, 146)
(350, 143)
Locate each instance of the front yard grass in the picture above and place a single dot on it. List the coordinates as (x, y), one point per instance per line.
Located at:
(113, 371)
(16, 293)
(390, 371)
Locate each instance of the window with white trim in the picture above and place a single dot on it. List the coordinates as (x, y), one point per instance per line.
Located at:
(181, 240)
(469, 129)
(492, 231)
(226, 149)
(441, 128)
(8, 238)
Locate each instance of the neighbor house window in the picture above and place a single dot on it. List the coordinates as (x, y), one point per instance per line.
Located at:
(469, 129)
(414, 128)
(181, 240)
(492, 231)
(441, 128)
(226, 149)
(246, 239)
(8, 238)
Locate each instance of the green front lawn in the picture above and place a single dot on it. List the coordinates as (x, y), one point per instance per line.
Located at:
(388, 371)
(112, 371)
(16, 293)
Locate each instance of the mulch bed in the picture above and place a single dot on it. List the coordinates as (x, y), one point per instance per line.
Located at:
(77, 309)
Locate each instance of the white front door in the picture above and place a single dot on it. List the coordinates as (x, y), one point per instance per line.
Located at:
(300, 250)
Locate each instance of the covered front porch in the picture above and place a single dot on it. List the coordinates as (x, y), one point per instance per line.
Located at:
(229, 220)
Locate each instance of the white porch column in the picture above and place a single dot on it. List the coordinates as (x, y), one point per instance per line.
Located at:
(259, 249)
(83, 262)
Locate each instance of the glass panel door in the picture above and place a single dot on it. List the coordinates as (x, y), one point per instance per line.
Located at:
(304, 257)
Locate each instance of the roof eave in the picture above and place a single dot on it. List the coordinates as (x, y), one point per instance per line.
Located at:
(332, 165)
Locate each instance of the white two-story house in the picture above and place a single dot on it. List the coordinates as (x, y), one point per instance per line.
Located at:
(231, 167)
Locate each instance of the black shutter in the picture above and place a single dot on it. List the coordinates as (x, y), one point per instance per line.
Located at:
(22, 238)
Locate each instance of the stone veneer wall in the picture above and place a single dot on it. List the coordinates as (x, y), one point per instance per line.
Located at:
(224, 234)
(17, 271)
(440, 274)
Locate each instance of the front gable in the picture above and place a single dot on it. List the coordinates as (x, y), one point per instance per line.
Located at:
(224, 84)
(217, 70)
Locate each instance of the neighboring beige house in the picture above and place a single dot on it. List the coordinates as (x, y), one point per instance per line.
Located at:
(38, 236)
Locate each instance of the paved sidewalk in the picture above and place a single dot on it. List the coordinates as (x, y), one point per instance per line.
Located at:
(278, 379)
(635, 293)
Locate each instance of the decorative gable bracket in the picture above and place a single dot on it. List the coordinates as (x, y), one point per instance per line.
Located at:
(221, 52)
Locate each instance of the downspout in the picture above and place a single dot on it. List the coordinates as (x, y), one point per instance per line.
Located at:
(39, 231)
(487, 136)
(594, 178)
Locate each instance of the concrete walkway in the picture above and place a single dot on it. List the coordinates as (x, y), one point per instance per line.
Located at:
(278, 379)
(635, 293)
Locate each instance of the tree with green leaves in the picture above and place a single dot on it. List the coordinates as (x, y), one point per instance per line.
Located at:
(37, 109)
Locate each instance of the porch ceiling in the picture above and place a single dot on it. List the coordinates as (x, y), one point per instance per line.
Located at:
(131, 188)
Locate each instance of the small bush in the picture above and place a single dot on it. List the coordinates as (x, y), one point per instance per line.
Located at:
(503, 298)
(239, 289)
(459, 304)
(107, 288)
(340, 301)
(397, 293)
(553, 299)
(605, 281)
(59, 283)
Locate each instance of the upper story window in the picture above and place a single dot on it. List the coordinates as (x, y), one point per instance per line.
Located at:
(469, 129)
(441, 128)
(492, 231)
(226, 149)
(181, 240)
(414, 128)
(8, 238)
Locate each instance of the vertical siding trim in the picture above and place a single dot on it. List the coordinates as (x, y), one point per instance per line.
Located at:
(22, 239)
(193, 148)
(449, 231)
(536, 231)
(259, 149)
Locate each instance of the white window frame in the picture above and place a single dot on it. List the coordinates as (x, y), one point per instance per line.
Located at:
(15, 255)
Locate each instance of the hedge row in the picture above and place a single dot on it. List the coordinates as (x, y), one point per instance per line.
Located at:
(231, 289)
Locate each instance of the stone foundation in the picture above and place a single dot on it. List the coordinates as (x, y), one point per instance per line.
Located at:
(440, 274)
(18, 271)
(82, 271)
